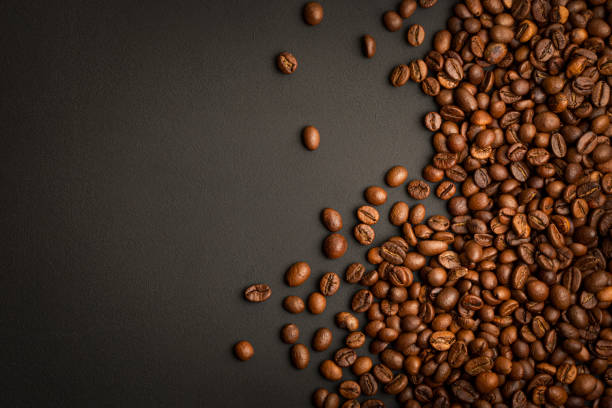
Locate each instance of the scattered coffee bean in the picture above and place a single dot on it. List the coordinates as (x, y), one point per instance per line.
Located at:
(334, 246)
(297, 274)
(313, 13)
(332, 220)
(311, 138)
(392, 20)
(400, 75)
(290, 333)
(316, 303)
(396, 176)
(244, 350)
(416, 35)
(369, 46)
(329, 284)
(407, 8)
(322, 339)
(418, 189)
(300, 356)
(368, 215)
(286, 62)
(294, 304)
(375, 195)
(259, 292)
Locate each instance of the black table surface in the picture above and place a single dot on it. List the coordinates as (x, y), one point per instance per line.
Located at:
(151, 169)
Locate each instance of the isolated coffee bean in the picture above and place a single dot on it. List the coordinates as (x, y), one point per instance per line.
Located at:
(396, 176)
(290, 333)
(286, 62)
(354, 273)
(316, 303)
(364, 234)
(297, 274)
(400, 75)
(330, 370)
(244, 350)
(334, 246)
(332, 220)
(416, 35)
(369, 46)
(294, 304)
(313, 13)
(368, 215)
(322, 339)
(258, 293)
(311, 137)
(300, 356)
(392, 20)
(329, 284)
(375, 195)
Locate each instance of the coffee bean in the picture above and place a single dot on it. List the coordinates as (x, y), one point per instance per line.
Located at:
(319, 396)
(368, 384)
(396, 176)
(313, 13)
(290, 333)
(330, 370)
(244, 350)
(294, 304)
(355, 340)
(364, 234)
(354, 273)
(433, 121)
(322, 339)
(418, 189)
(392, 20)
(329, 284)
(345, 357)
(416, 35)
(442, 340)
(258, 293)
(369, 46)
(286, 62)
(362, 300)
(427, 3)
(349, 389)
(334, 246)
(407, 8)
(332, 401)
(332, 220)
(399, 213)
(375, 195)
(311, 138)
(316, 303)
(418, 71)
(445, 190)
(297, 274)
(368, 215)
(400, 75)
(300, 356)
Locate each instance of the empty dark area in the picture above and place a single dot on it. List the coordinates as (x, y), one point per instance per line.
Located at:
(152, 168)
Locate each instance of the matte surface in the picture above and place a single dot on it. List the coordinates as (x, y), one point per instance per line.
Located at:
(151, 169)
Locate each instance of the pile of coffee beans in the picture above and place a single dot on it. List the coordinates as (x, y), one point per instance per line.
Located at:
(505, 302)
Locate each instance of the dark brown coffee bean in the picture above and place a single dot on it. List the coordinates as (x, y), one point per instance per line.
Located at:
(427, 3)
(364, 234)
(445, 190)
(354, 273)
(355, 340)
(300, 356)
(311, 137)
(297, 274)
(332, 220)
(369, 46)
(349, 389)
(368, 215)
(392, 21)
(334, 246)
(286, 62)
(407, 8)
(368, 384)
(294, 304)
(258, 293)
(433, 121)
(329, 284)
(313, 13)
(243, 350)
(400, 75)
(396, 176)
(316, 303)
(290, 333)
(442, 340)
(393, 253)
(418, 71)
(375, 195)
(330, 370)
(362, 300)
(319, 396)
(418, 189)
(416, 35)
(345, 357)
(397, 384)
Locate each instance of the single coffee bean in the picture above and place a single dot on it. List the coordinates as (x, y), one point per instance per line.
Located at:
(332, 401)
(369, 46)
(329, 284)
(400, 75)
(355, 340)
(368, 215)
(418, 189)
(362, 300)
(244, 350)
(297, 274)
(313, 13)
(330, 370)
(416, 35)
(349, 389)
(290, 333)
(354, 273)
(392, 20)
(311, 138)
(319, 396)
(427, 3)
(375, 195)
(396, 176)
(399, 213)
(442, 340)
(322, 339)
(259, 292)
(294, 304)
(300, 356)
(345, 357)
(316, 303)
(334, 246)
(368, 384)
(364, 234)
(445, 190)
(332, 220)
(407, 8)
(433, 121)
(286, 62)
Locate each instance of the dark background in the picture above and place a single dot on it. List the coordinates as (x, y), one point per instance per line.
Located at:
(151, 168)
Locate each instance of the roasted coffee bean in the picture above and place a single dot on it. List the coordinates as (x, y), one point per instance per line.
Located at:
(399, 213)
(355, 340)
(392, 20)
(330, 370)
(369, 46)
(396, 176)
(329, 284)
(316, 303)
(243, 350)
(294, 304)
(375, 195)
(345, 357)
(334, 246)
(416, 35)
(313, 13)
(259, 292)
(332, 220)
(349, 389)
(290, 333)
(364, 234)
(300, 356)
(297, 274)
(362, 300)
(368, 215)
(368, 384)
(354, 273)
(311, 137)
(400, 75)
(418, 189)
(286, 62)
(445, 190)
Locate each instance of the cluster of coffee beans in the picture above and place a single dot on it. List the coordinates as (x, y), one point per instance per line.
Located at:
(507, 301)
